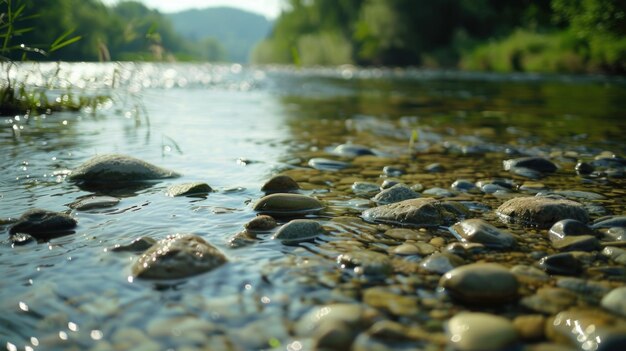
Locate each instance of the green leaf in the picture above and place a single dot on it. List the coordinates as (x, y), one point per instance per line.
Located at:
(65, 43)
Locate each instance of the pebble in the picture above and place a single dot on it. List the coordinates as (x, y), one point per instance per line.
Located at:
(618, 255)
(530, 327)
(369, 263)
(561, 264)
(475, 331)
(298, 230)
(494, 188)
(178, 256)
(242, 239)
(365, 188)
(189, 189)
(616, 234)
(584, 168)
(280, 184)
(568, 227)
(609, 222)
(540, 211)
(434, 168)
(42, 224)
(577, 243)
(526, 273)
(549, 300)
(260, 223)
(480, 283)
(537, 164)
(21, 239)
(441, 262)
(407, 234)
(93, 201)
(464, 185)
(324, 164)
(422, 212)
(439, 192)
(391, 171)
(579, 195)
(396, 193)
(465, 249)
(588, 329)
(388, 183)
(351, 318)
(138, 245)
(615, 301)
(118, 168)
(287, 205)
(352, 150)
(480, 232)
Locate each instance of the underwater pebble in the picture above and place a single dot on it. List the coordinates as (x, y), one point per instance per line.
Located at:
(549, 300)
(298, 230)
(537, 164)
(540, 211)
(577, 243)
(261, 223)
(475, 331)
(464, 185)
(480, 283)
(615, 301)
(392, 171)
(138, 245)
(42, 223)
(595, 330)
(352, 150)
(561, 264)
(287, 204)
(92, 202)
(434, 168)
(609, 222)
(441, 262)
(280, 184)
(479, 231)
(396, 193)
(118, 168)
(324, 164)
(189, 189)
(530, 327)
(365, 188)
(367, 263)
(418, 212)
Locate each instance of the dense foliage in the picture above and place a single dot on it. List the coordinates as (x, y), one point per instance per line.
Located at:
(535, 35)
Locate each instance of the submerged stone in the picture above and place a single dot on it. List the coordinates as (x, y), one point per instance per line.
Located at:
(324, 164)
(441, 262)
(540, 211)
(609, 222)
(561, 264)
(138, 245)
(299, 230)
(93, 202)
(538, 164)
(118, 168)
(479, 231)
(261, 223)
(396, 193)
(588, 329)
(287, 204)
(189, 189)
(365, 188)
(577, 243)
(178, 256)
(422, 212)
(480, 283)
(475, 331)
(39, 223)
(367, 263)
(21, 239)
(280, 184)
(568, 227)
(615, 301)
(352, 150)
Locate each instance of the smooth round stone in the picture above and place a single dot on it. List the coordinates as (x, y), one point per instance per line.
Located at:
(493, 188)
(261, 223)
(368, 263)
(93, 202)
(538, 164)
(501, 182)
(540, 211)
(280, 184)
(441, 263)
(616, 234)
(615, 301)
(577, 194)
(388, 183)
(577, 243)
(609, 222)
(474, 331)
(354, 316)
(324, 164)
(118, 168)
(529, 273)
(407, 234)
(406, 250)
(480, 232)
(422, 212)
(568, 227)
(287, 204)
(189, 189)
(138, 245)
(588, 329)
(298, 230)
(178, 256)
(365, 188)
(39, 223)
(584, 168)
(464, 185)
(532, 187)
(465, 249)
(434, 168)
(352, 150)
(549, 300)
(526, 172)
(391, 171)
(616, 254)
(530, 327)
(242, 239)
(480, 283)
(396, 193)
(439, 192)
(561, 264)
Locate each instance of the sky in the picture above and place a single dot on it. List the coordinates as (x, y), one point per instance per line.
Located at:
(268, 8)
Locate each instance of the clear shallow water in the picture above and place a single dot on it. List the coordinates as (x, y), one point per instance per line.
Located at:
(234, 127)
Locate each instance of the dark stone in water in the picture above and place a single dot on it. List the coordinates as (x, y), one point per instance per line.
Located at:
(21, 239)
(189, 189)
(388, 183)
(280, 184)
(324, 164)
(609, 222)
(118, 168)
(352, 150)
(93, 202)
(464, 185)
(287, 205)
(584, 168)
(577, 243)
(41, 223)
(434, 168)
(138, 245)
(479, 231)
(568, 227)
(537, 164)
(561, 264)
(422, 212)
(480, 283)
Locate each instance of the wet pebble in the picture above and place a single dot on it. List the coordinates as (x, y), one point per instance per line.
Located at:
(494, 188)
(407, 234)
(530, 327)
(298, 230)
(189, 189)
(365, 188)
(577, 243)
(616, 234)
(561, 264)
(531, 274)
(480, 283)
(584, 168)
(388, 183)
(441, 262)
(287, 205)
(465, 249)
(324, 164)
(21, 239)
(242, 239)
(439, 192)
(42, 223)
(118, 168)
(537, 164)
(396, 193)
(434, 168)
(479, 231)
(549, 300)
(138, 245)
(178, 256)
(280, 184)
(475, 331)
(540, 211)
(568, 227)
(609, 222)
(578, 195)
(261, 223)
(616, 254)
(594, 330)
(392, 171)
(615, 301)
(93, 202)
(464, 185)
(367, 263)
(417, 212)
(352, 150)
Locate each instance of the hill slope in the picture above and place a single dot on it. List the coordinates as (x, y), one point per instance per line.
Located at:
(236, 30)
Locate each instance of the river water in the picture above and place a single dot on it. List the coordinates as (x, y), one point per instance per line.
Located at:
(234, 127)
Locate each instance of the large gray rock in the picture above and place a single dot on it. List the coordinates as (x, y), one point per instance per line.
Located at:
(178, 256)
(41, 223)
(478, 231)
(540, 211)
(118, 168)
(423, 212)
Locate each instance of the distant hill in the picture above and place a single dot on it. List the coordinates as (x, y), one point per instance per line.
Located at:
(236, 30)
